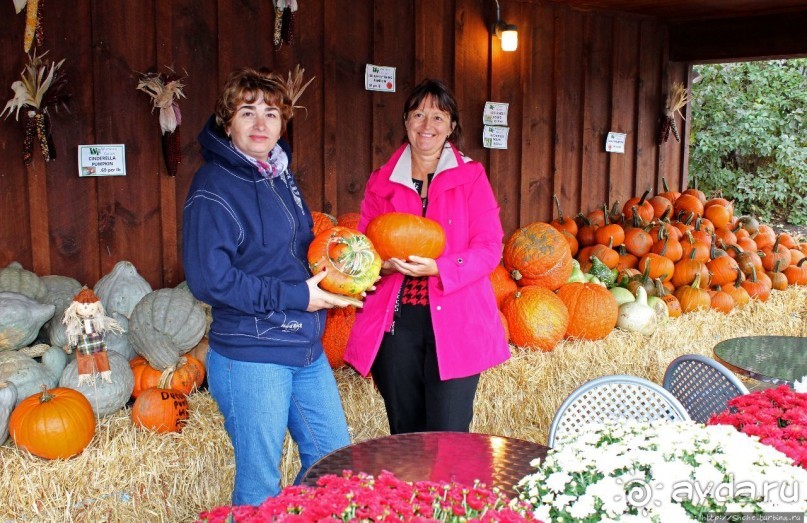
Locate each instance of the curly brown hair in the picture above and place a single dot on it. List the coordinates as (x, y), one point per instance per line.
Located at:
(246, 85)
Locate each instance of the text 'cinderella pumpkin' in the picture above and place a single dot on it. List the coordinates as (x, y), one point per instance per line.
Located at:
(352, 263)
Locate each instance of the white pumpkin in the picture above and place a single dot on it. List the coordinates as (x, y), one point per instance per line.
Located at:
(20, 319)
(104, 397)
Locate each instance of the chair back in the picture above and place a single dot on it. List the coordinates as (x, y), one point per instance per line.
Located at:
(702, 385)
(615, 397)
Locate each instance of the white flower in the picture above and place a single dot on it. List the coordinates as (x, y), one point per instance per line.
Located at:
(659, 472)
(800, 385)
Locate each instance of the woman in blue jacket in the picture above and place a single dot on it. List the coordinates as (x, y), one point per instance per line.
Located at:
(246, 231)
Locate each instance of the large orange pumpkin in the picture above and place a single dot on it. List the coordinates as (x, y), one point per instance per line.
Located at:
(503, 284)
(349, 220)
(400, 235)
(593, 310)
(352, 264)
(338, 324)
(538, 255)
(186, 377)
(57, 423)
(537, 318)
(160, 409)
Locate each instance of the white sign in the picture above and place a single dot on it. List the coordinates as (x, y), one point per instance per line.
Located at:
(102, 160)
(495, 137)
(495, 113)
(379, 78)
(615, 143)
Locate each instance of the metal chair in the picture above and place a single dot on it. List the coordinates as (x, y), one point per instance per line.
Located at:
(702, 385)
(615, 397)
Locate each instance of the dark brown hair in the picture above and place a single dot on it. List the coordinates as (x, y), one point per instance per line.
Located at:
(443, 99)
(244, 86)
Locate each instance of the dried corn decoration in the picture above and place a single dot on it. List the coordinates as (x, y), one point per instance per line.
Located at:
(676, 100)
(43, 85)
(285, 14)
(34, 23)
(165, 91)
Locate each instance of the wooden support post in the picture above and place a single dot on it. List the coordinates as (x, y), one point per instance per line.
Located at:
(38, 215)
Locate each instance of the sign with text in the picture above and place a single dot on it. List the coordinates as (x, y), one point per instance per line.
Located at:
(495, 113)
(379, 78)
(102, 160)
(495, 137)
(615, 143)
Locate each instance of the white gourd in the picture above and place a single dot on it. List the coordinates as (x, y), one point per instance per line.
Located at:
(638, 316)
(20, 319)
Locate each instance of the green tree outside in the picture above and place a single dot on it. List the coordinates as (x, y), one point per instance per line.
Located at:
(749, 137)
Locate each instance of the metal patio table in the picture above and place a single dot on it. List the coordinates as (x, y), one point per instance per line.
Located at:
(772, 359)
(496, 461)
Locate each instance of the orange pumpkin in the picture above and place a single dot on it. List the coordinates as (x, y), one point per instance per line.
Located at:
(722, 301)
(160, 409)
(400, 235)
(537, 318)
(349, 220)
(503, 284)
(57, 423)
(797, 274)
(322, 221)
(338, 323)
(561, 223)
(737, 291)
(538, 255)
(505, 326)
(352, 264)
(186, 377)
(593, 310)
(693, 297)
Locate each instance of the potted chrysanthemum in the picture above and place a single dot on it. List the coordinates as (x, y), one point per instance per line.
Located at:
(360, 497)
(677, 472)
(777, 416)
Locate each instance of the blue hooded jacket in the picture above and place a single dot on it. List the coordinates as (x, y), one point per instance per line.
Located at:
(245, 245)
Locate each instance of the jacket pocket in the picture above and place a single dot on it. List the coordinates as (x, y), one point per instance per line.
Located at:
(287, 327)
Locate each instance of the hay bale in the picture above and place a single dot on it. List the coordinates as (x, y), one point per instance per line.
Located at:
(126, 474)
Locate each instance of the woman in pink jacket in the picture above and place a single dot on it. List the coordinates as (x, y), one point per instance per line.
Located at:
(432, 326)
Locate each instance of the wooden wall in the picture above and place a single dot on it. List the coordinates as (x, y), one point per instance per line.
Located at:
(575, 76)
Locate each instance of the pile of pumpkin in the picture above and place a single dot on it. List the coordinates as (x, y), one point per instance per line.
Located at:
(636, 264)
(157, 360)
(629, 266)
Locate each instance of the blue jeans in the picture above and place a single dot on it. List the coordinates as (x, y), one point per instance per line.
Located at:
(259, 402)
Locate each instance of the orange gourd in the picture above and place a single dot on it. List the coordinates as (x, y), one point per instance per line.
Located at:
(797, 274)
(537, 317)
(537, 254)
(693, 297)
(352, 264)
(322, 221)
(56, 423)
(400, 235)
(593, 310)
(160, 409)
(561, 223)
(338, 324)
(186, 377)
(349, 220)
(503, 284)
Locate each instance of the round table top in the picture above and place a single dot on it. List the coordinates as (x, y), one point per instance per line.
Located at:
(774, 359)
(461, 457)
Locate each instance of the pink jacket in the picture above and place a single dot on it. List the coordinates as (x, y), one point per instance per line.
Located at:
(468, 332)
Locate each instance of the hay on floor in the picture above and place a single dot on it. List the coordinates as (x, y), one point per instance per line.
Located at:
(130, 475)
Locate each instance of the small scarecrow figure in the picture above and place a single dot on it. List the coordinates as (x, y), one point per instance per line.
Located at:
(87, 325)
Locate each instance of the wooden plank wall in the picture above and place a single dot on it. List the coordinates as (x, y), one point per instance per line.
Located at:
(575, 76)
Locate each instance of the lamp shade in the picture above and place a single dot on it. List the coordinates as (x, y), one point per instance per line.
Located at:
(509, 38)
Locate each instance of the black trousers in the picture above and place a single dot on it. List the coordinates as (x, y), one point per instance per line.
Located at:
(406, 373)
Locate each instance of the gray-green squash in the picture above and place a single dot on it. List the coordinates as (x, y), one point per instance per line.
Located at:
(16, 279)
(104, 397)
(121, 289)
(61, 291)
(166, 324)
(29, 375)
(20, 319)
(8, 400)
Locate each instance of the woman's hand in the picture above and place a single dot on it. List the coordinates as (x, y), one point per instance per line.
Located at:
(416, 266)
(321, 299)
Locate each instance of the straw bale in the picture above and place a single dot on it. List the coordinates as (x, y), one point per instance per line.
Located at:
(131, 475)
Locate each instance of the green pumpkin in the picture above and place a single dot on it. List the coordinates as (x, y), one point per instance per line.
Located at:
(16, 279)
(121, 289)
(8, 400)
(20, 319)
(105, 397)
(166, 324)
